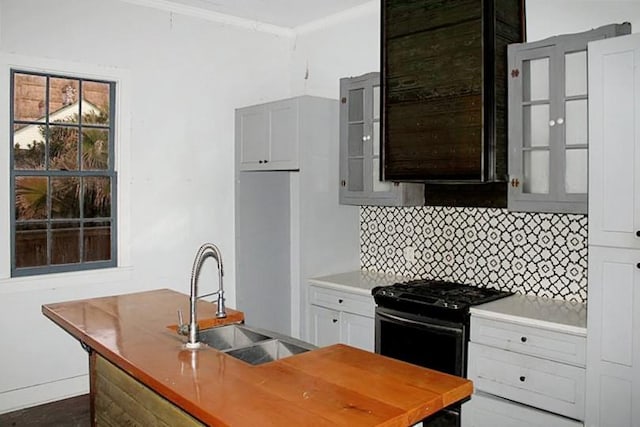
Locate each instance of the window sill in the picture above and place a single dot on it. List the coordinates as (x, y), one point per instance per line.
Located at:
(63, 280)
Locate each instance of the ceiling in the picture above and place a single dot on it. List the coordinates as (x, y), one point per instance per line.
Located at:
(282, 13)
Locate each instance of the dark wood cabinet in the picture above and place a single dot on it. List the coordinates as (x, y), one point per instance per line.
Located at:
(444, 90)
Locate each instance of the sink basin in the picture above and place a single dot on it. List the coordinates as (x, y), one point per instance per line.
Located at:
(267, 351)
(252, 345)
(230, 336)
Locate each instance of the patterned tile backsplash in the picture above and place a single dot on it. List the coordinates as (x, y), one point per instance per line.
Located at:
(529, 253)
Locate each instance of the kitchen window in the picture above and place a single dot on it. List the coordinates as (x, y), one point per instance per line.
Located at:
(63, 178)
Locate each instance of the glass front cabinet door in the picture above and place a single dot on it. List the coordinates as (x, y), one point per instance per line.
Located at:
(360, 182)
(548, 122)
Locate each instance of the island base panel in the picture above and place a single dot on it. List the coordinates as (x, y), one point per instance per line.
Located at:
(118, 399)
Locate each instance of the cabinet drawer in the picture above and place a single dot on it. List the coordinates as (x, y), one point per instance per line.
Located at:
(544, 384)
(489, 411)
(529, 340)
(343, 301)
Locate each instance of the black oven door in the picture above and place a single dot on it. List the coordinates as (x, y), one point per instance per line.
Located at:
(428, 342)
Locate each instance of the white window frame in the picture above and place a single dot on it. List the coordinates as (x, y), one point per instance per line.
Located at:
(122, 167)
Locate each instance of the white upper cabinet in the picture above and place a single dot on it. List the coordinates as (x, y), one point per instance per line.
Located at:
(548, 122)
(614, 110)
(268, 135)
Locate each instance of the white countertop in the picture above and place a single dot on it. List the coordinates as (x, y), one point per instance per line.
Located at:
(359, 281)
(547, 313)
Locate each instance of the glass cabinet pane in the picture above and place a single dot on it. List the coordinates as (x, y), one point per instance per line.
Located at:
(535, 79)
(376, 103)
(575, 77)
(536, 172)
(576, 123)
(355, 181)
(376, 138)
(536, 125)
(576, 176)
(356, 105)
(356, 134)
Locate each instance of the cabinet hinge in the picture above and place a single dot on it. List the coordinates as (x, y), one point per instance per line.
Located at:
(515, 73)
(515, 182)
(344, 100)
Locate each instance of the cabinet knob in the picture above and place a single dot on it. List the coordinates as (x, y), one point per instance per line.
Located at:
(260, 161)
(334, 320)
(638, 265)
(638, 233)
(340, 300)
(523, 339)
(343, 183)
(560, 120)
(552, 123)
(515, 182)
(522, 378)
(266, 161)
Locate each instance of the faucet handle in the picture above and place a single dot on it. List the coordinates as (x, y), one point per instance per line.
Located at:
(183, 329)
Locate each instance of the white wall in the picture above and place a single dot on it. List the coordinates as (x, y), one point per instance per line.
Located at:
(186, 76)
(343, 45)
(546, 18)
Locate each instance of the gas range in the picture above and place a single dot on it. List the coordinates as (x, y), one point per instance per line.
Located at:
(434, 298)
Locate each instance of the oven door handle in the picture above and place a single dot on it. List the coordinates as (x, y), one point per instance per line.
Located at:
(423, 325)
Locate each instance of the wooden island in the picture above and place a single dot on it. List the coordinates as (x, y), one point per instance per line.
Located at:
(141, 373)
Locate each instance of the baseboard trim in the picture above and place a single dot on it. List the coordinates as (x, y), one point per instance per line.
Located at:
(39, 394)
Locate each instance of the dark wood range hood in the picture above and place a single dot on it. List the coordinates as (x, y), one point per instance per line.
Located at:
(444, 82)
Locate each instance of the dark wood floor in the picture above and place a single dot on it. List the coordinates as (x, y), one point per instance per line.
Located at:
(73, 412)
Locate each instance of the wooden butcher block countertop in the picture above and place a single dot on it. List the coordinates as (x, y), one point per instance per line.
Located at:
(330, 386)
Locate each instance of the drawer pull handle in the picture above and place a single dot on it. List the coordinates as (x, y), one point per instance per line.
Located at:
(638, 265)
(334, 320)
(523, 339)
(522, 378)
(638, 233)
(340, 300)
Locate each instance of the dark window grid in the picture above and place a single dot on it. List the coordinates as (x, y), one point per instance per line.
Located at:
(110, 172)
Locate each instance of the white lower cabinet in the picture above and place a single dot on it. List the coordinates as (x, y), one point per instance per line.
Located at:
(340, 317)
(544, 384)
(527, 362)
(487, 410)
(358, 331)
(324, 325)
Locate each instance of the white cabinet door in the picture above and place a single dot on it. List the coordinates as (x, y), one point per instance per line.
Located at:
(613, 341)
(251, 134)
(283, 134)
(324, 326)
(358, 331)
(267, 135)
(614, 142)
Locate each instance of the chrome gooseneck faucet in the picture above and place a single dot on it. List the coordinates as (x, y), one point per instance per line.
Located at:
(206, 250)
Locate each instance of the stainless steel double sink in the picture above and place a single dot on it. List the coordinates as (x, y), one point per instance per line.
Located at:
(252, 345)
